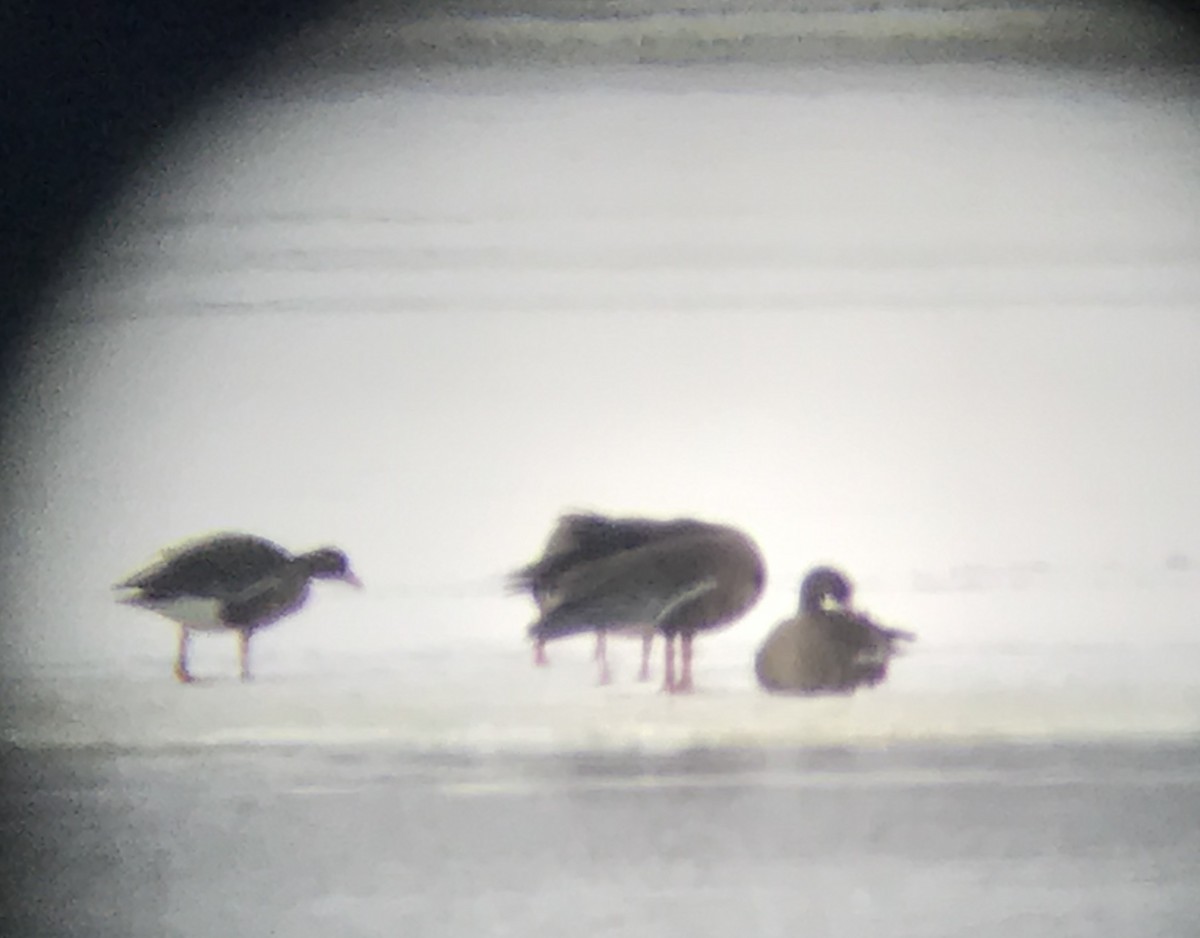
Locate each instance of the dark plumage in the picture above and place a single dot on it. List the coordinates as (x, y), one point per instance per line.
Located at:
(681, 577)
(579, 539)
(235, 582)
(828, 648)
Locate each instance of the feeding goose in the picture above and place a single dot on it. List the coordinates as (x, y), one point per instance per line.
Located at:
(235, 582)
(828, 648)
(577, 539)
(685, 577)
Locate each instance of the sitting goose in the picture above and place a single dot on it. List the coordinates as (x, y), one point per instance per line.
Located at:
(578, 538)
(827, 648)
(686, 577)
(230, 581)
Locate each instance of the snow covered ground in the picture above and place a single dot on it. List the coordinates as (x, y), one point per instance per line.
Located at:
(457, 675)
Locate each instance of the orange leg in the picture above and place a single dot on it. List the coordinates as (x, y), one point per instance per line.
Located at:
(244, 653)
(685, 685)
(182, 674)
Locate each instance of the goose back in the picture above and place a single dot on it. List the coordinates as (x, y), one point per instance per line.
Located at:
(686, 577)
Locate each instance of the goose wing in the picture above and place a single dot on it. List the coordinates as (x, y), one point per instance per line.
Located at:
(223, 568)
(691, 580)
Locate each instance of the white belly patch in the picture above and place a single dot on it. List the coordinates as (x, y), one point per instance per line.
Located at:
(193, 613)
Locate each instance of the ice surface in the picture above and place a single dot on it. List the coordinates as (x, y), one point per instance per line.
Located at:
(456, 675)
(1053, 840)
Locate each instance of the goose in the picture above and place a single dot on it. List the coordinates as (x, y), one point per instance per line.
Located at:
(230, 582)
(827, 648)
(687, 576)
(578, 538)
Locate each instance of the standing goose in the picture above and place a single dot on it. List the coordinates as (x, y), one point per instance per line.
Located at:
(689, 576)
(827, 648)
(237, 582)
(577, 539)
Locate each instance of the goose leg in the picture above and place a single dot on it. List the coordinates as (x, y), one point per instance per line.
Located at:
(181, 657)
(244, 653)
(539, 654)
(601, 655)
(669, 664)
(182, 674)
(685, 652)
(647, 643)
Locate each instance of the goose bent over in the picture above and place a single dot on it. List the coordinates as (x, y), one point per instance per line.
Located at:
(577, 539)
(686, 577)
(828, 648)
(235, 582)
